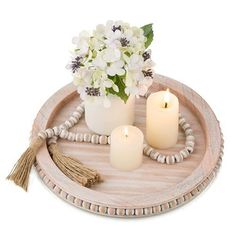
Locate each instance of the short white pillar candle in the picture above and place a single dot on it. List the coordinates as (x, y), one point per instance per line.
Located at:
(162, 119)
(126, 149)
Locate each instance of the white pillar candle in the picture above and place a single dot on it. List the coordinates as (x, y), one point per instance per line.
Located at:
(126, 149)
(162, 119)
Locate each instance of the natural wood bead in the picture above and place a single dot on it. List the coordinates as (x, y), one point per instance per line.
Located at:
(62, 126)
(87, 137)
(64, 134)
(170, 159)
(165, 206)
(56, 130)
(185, 126)
(189, 149)
(109, 139)
(129, 212)
(139, 211)
(173, 204)
(94, 207)
(188, 132)
(154, 154)
(156, 209)
(77, 115)
(120, 211)
(95, 139)
(184, 153)
(189, 143)
(79, 137)
(71, 137)
(190, 138)
(103, 139)
(182, 121)
(159, 158)
(86, 205)
(111, 211)
(49, 133)
(147, 150)
(78, 202)
(102, 209)
(42, 134)
(178, 157)
(73, 120)
(162, 159)
(68, 124)
(80, 109)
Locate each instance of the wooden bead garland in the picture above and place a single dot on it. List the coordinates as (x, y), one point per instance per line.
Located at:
(62, 132)
(177, 157)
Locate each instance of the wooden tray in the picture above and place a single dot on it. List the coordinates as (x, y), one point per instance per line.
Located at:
(153, 188)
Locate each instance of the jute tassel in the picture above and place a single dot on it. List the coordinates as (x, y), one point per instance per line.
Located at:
(72, 168)
(21, 170)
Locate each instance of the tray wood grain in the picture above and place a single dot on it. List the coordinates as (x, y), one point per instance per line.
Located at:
(153, 188)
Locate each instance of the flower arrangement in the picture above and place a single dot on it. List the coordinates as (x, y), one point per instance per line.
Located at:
(113, 60)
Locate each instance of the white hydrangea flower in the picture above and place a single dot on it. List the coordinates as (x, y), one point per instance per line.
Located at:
(111, 55)
(135, 62)
(113, 49)
(116, 68)
(82, 42)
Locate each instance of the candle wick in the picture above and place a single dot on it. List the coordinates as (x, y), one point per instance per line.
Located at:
(166, 104)
(126, 135)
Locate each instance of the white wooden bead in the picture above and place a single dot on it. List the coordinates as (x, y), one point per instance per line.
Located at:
(71, 137)
(154, 154)
(56, 130)
(148, 150)
(182, 121)
(109, 139)
(162, 159)
(190, 138)
(95, 139)
(190, 149)
(68, 124)
(42, 134)
(80, 109)
(49, 133)
(87, 137)
(64, 134)
(189, 143)
(186, 126)
(62, 126)
(178, 157)
(188, 132)
(77, 115)
(184, 153)
(103, 139)
(170, 159)
(73, 120)
(79, 137)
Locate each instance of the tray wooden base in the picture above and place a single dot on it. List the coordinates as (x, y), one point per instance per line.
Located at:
(153, 188)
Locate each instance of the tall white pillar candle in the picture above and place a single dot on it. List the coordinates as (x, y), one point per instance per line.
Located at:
(162, 119)
(126, 149)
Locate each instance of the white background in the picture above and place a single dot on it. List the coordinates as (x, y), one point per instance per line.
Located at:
(194, 43)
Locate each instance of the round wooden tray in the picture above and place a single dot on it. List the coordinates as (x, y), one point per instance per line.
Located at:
(153, 188)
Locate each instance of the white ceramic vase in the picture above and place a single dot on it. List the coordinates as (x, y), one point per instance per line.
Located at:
(103, 120)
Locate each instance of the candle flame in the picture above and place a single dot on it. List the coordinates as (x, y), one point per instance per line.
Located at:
(166, 98)
(126, 132)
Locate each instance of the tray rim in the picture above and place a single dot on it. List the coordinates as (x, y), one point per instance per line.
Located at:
(196, 180)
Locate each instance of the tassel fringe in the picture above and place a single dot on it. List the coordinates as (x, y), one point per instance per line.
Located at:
(74, 169)
(21, 170)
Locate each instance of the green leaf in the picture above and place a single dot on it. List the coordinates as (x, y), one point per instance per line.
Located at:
(148, 33)
(118, 80)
